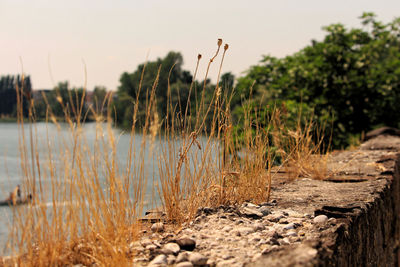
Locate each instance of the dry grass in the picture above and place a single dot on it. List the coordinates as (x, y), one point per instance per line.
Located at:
(301, 149)
(95, 204)
(200, 167)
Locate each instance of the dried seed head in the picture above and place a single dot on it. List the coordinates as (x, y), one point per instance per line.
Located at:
(59, 99)
(219, 91)
(198, 56)
(219, 42)
(226, 47)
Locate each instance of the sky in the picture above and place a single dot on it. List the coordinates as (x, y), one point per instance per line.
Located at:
(61, 40)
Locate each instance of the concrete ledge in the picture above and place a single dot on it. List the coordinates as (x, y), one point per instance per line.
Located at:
(362, 203)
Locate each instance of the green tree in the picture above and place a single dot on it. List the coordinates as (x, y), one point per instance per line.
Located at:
(65, 101)
(352, 73)
(8, 94)
(99, 97)
(132, 87)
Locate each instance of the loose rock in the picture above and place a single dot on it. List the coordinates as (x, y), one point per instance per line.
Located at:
(320, 219)
(171, 259)
(151, 247)
(264, 210)
(184, 264)
(251, 212)
(186, 244)
(183, 256)
(157, 227)
(245, 230)
(197, 258)
(159, 260)
(289, 226)
(173, 247)
(258, 227)
(291, 233)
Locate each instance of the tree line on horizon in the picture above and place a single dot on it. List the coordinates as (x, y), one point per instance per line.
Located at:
(351, 78)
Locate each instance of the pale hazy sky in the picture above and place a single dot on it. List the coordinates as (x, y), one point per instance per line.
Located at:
(116, 35)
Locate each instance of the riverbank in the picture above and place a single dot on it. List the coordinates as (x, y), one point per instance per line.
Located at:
(350, 219)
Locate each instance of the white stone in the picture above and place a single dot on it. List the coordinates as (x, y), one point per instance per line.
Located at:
(320, 219)
(251, 205)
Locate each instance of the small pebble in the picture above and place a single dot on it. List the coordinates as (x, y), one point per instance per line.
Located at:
(151, 247)
(264, 210)
(258, 227)
(182, 257)
(251, 205)
(157, 227)
(320, 219)
(186, 244)
(284, 241)
(145, 242)
(252, 212)
(291, 233)
(159, 260)
(197, 258)
(289, 226)
(171, 259)
(245, 230)
(184, 264)
(173, 247)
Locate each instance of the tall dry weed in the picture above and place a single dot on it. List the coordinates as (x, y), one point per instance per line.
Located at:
(84, 208)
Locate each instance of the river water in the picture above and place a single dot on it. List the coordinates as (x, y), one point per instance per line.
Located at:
(11, 173)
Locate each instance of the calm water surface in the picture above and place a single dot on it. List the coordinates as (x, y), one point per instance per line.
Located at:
(10, 163)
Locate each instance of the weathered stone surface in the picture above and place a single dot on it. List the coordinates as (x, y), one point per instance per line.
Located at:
(364, 224)
(382, 131)
(349, 219)
(300, 255)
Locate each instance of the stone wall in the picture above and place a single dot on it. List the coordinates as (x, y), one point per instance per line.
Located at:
(362, 200)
